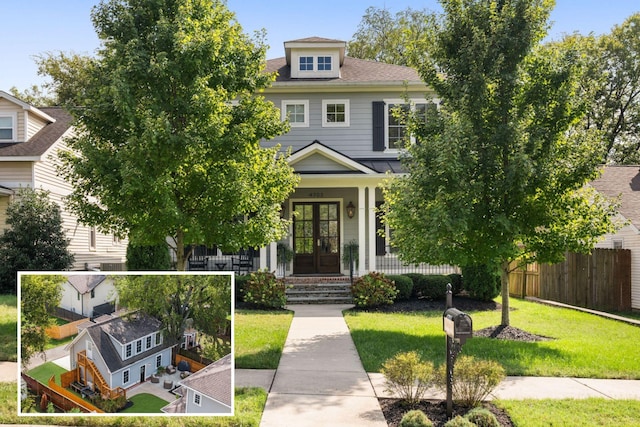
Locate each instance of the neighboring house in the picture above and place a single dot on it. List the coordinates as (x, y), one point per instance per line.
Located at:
(116, 353)
(345, 142)
(208, 391)
(82, 293)
(624, 182)
(30, 139)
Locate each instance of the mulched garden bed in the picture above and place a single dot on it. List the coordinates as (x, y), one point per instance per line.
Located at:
(436, 411)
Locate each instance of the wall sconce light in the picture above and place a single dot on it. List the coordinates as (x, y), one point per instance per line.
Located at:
(351, 210)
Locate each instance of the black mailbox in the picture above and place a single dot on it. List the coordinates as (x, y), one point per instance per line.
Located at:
(457, 325)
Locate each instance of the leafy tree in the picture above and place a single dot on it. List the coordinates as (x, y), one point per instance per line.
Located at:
(612, 83)
(148, 258)
(206, 299)
(498, 173)
(39, 295)
(34, 239)
(386, 38)
(170, 127)
(33, 96)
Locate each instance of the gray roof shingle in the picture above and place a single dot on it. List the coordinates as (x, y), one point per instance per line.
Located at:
(85, 284)
(622, 181)
(213, 380)
(44, 139)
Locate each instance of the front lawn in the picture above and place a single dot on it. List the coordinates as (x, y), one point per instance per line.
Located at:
(8, 328)
(572, 412)
(260, 337)
(145, 403)
(583, 345)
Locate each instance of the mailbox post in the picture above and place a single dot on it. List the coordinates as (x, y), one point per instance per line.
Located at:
(458, 326)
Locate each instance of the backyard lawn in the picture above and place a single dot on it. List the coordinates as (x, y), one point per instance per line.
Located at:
(582, 345)
(43, 372)
(145, 403)
(8, 328)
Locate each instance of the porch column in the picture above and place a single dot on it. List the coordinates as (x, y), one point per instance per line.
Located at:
(372, 227)
(362, 235)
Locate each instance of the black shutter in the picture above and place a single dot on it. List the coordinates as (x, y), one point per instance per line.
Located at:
(378, 125)
(381, 243)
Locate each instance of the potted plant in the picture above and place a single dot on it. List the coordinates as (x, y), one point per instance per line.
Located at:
(284, 255)
(350, 253)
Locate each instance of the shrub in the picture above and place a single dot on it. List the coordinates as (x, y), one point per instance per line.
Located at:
(430, 286)
(415, 418)
(148, 258)
(240, 286)
(481, 282)
(373, 289)
(264, 290)
(482, 418)
(408, 376)
(404, 285)
(473, 379)
(456, 283)
(458, 421)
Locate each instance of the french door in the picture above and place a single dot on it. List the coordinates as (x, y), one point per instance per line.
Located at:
(316, 238)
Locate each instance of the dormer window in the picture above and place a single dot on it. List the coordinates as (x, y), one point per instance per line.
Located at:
(324, 63)
(306, 63)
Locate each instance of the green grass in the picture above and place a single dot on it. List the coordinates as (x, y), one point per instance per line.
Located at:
(53, 343)
(569, 412)
(145, 403)
(8, 328)
(43, 372)
(249, 404)
(584, 345)
(260, 337)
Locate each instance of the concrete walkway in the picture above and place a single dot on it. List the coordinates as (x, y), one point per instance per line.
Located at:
(320, 379)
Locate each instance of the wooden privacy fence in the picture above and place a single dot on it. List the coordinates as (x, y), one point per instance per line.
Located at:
(64, 331)
(60, 397)
(601, 280)
(525, 281)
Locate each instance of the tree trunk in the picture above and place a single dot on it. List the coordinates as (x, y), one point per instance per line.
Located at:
(180, 258)
(504, 282)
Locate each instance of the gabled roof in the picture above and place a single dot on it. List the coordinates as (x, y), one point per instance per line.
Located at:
(213, 381)
(317, 148)
(623, 181)
(353, 70)
(43, 140)
(37, 111)
(127, 328)
(85, 284)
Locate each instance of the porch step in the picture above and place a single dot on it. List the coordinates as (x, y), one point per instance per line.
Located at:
(318, 290)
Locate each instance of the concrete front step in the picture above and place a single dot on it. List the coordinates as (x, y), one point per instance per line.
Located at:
(318, 290)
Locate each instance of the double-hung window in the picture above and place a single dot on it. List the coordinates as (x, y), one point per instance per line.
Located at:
(125, 377)
(335, 113)
(297, 112)
(395, 121)
(127, 351)
(8, 128)
(197, 398)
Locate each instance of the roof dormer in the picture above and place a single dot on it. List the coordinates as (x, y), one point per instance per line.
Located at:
(315, 57)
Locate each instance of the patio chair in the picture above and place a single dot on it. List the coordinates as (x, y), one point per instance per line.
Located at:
(242, 262)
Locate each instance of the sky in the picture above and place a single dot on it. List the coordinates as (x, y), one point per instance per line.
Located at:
(29, 28)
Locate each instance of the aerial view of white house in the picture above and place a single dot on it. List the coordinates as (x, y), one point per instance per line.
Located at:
(118, 352)
(83, 293)
(30, 139)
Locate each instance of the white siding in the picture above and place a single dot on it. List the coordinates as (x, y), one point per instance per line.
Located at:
(630, 240)
(16, 174)
(34, 125)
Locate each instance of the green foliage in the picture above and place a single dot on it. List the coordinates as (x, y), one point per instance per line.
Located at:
(404, 285)
(482, 417)
(40, 294)
(264, 290)
(33, 240)
(240, 284)
(206, 299)
(170, 124)
(473, 379)
(459, 421)
(111, 405)
(373, 289)
(429, 286)
(350, 251)
(148, 257)
(456, 283)
(481, 282)
(498, 172)
(415, 418)
(407, 376)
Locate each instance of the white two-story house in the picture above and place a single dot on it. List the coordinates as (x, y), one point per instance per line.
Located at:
(30, 139)
(84, 293)
(345, 142)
